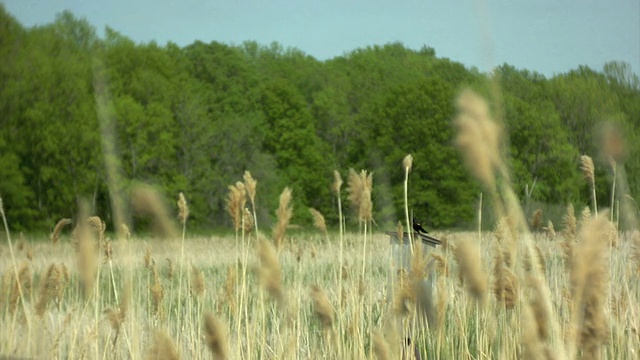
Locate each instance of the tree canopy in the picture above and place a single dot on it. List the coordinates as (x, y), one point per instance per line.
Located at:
(192, 119)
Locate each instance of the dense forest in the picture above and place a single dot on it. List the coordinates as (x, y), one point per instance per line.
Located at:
(192, 119)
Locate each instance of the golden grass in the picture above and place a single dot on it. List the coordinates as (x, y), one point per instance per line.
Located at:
(55, 235)
(216, 336)
(284, 214)
(149, 307)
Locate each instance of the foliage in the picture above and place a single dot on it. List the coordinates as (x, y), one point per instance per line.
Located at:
(192, 119)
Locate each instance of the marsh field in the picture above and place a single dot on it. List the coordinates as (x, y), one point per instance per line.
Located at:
(292, 294)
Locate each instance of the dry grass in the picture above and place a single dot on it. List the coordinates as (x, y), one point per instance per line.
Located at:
(284, 213)
(149, 306)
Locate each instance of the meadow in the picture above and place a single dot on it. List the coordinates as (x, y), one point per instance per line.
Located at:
(523, 290)
(323, 311)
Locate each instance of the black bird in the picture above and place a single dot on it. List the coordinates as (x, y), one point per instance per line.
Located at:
(417, 227)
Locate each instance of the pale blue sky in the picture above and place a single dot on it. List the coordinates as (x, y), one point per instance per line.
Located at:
(547, 36)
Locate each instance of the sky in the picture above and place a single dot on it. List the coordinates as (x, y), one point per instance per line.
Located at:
(546, 36)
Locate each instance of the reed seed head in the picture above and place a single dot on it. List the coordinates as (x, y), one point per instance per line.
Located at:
(536, 220)
(125, 231)
(359, 189)
(251, 184)
(162, 347)
(197, 282)
(58, 228)
(146, 200)
(337, 182)
(467, 255)
(590, 285)
(380, 346)
(612, 142)
(588, 170)
(216, 336)
(284, 214)
(407, 162)
(318, 220)
(505, 283)
(269, 271)
(51, 286)
(478, 137)
(183, 209)
(322, 307)
(248, 221)
(570, 224)
(550, 230)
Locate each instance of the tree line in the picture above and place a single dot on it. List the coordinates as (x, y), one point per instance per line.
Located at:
(192, 119)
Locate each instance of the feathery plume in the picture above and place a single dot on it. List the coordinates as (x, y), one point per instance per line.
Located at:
(467, 256)
(248, 221)
(337, 182)
(588, 170)
(52, 286)
(590, 286)
(506, 242)
(162, 347)
(146, 200)
(318, 220)
(21, 285)
(612, 142)
(585, 217)
(197, 282)
(183, 209)
(586, 165)
(536, 220)
(505, 283)
(532, 347)
(86, 255)
(236, 200)
(478, 137)
(58, 228)
(359, 189)
(403, 295)
(550, 230)
(99, 226)
(441, 264)
(407, 162)
(380, 346)
(542, 314)
(284, 213)
(250, 184)
(322, 307)
(269, 271)
(216, 336)
(125, 231)
(354, 189)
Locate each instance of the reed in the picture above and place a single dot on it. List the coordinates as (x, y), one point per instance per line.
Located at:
(588, 170)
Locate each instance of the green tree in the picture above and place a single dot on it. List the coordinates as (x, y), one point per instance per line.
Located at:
(302, 158)
(415, 118)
